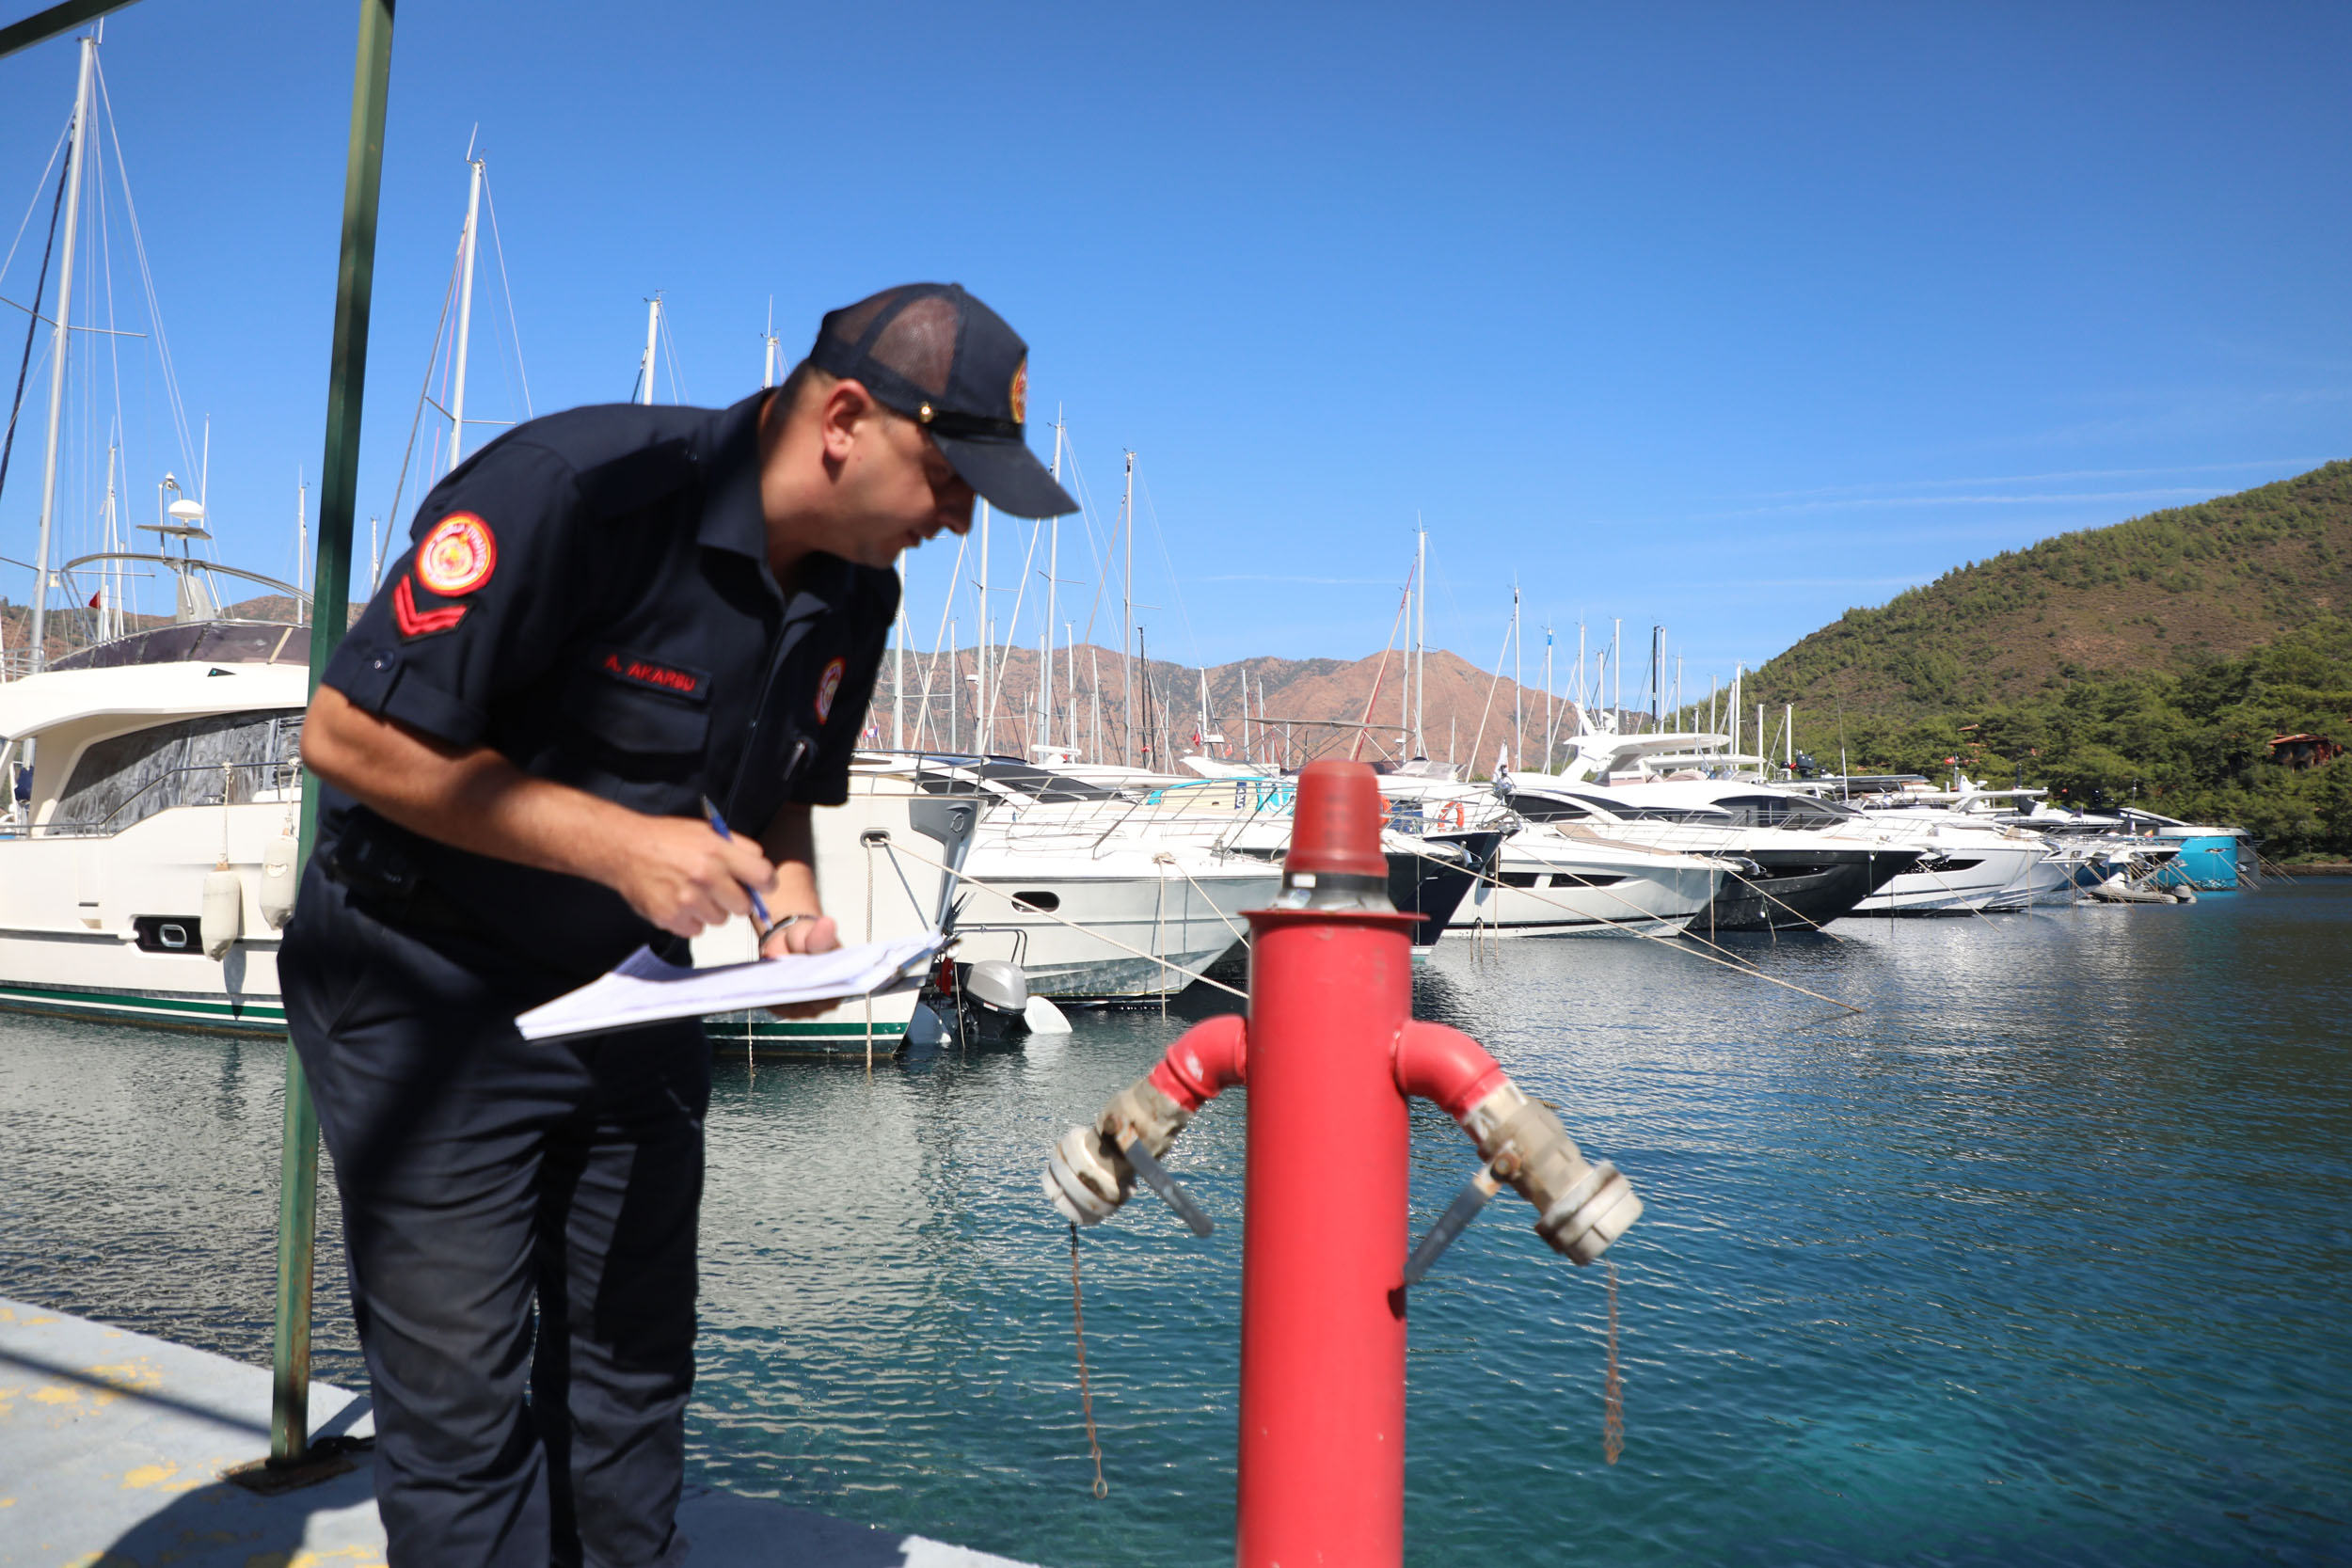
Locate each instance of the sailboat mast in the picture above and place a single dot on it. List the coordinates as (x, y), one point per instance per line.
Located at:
(1405, 677)
(652, 326)
(984, 709)
(1583, 693)
(1127, 606)
(1518, 690)
(38, 654)
(465, 314)
(1657, 671)
(110, 609)
(1421, 642)
(1616, 662)
(772, 342)
(302, 537)
(1548, 727)
(1053, 608)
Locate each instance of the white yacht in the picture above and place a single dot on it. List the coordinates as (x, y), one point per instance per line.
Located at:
(1101, 894)
(1795, 864)
(147, 865)
(1547, 882)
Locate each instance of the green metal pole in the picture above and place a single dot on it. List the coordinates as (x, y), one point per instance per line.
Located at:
(330, 600)
(58, 19)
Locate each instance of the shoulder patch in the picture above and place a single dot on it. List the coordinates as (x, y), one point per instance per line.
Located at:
(829, 687)
(423, 623)
(457, 556)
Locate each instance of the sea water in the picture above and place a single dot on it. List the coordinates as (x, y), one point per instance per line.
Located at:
(2044, 1257)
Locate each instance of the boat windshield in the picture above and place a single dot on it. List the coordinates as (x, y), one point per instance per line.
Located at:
(1040, 785)
(1546, 808)
(225, 758)
(946, 775)
(1782, 811)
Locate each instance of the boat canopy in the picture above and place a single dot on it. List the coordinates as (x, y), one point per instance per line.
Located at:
(204, 641)
(57, 696)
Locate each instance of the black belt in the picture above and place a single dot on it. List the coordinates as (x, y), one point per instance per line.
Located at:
(385, 883)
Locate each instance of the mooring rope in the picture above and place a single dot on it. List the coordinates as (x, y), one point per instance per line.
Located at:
(1491, 881)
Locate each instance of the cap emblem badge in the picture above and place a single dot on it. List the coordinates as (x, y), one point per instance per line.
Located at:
(829, 687)
(458, 556)
(1018, 394)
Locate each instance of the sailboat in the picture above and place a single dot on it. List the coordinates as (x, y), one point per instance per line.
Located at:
(146, 853)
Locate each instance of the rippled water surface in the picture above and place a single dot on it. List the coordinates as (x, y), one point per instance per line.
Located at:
(2042, 1258)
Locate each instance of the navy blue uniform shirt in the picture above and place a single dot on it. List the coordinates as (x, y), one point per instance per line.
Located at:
(590, 595)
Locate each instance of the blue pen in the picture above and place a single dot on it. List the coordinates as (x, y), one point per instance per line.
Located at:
(719, 826)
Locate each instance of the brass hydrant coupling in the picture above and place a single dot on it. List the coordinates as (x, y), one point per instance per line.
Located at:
(1581, 1206)
(1087, 1177)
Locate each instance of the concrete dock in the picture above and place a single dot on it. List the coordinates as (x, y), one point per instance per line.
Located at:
(112, 1446)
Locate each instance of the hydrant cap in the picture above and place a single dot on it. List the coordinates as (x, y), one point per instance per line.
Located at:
(1335, 828)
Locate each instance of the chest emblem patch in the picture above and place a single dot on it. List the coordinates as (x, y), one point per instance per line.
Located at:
(829, 687)
(458, 556)
(422, 622)
(642, 671)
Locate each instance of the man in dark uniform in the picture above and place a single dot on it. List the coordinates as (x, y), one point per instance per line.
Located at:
(607, 614)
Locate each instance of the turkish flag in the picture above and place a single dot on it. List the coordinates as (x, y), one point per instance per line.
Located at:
(93, 600)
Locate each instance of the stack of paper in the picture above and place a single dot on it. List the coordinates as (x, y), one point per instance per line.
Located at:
(645, 989)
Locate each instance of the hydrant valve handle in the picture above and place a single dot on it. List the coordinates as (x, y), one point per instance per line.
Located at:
(1170, 1190)
(1456, 1218)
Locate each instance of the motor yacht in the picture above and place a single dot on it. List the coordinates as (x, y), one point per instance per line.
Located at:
(1793, 863)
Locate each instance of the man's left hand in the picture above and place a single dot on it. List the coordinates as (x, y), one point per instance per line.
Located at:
(816, 934)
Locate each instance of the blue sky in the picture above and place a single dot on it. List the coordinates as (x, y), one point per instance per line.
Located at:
(1723, 317)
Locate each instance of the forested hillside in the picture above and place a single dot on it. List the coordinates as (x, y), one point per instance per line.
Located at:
(2159, 592)
(2192, 743)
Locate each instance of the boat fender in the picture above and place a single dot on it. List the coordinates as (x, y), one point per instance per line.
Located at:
(277, 881)
(1043, 1018)
(224, 909)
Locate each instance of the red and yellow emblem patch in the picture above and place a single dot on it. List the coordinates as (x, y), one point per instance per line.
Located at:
(458, 556)
(1019, 392)
(829, 687)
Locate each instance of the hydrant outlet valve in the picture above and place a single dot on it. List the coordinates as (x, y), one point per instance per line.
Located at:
(1581, 1206)
(1089, 1174)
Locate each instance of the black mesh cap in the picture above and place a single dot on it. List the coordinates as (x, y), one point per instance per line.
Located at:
(934, 352)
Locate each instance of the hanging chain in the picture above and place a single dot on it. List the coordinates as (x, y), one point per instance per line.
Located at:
(1085, 1394)
(1613, 1391)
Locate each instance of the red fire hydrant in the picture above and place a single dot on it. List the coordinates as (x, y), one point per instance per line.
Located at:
(1330, 1053)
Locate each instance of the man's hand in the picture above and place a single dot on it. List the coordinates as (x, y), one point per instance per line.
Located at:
(808, 934)
(816, 934)
(682, 877)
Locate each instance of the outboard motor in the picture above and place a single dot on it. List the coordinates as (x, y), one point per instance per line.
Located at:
(978, 1004)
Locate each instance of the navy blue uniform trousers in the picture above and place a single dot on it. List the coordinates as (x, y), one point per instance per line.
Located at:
(519, 1222)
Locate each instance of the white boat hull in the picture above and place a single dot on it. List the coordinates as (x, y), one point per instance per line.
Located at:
(1959, 878)
(1555, 886)
(1185, 916)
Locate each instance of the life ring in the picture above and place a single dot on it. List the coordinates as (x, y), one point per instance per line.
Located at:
(1453, 817)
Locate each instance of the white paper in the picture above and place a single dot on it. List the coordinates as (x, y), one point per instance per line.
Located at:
(645, 990)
